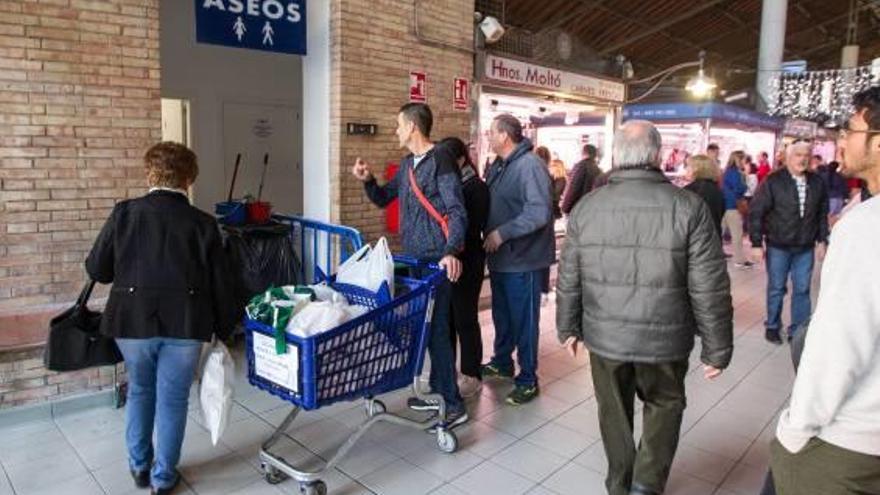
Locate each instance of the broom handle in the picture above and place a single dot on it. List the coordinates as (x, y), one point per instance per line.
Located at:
(234, 176)
(263, 177)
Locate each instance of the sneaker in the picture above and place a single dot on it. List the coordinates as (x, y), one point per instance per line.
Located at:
(744, 264)
(417, 404)
(773, 337)
(141, 478)
(453, 420)
(522, 394)
(469, 386)
(492, 370)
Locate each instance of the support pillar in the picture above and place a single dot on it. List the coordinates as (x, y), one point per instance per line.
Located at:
(772, 45)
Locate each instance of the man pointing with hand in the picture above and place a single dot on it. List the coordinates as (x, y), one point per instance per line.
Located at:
(433, 221)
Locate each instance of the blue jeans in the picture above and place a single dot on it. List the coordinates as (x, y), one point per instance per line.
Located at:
(516, 310)
(160, 374)
(442, 377)
(781, 263)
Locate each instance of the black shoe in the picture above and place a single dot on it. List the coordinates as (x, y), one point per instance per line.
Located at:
(141, 478)
(773, 337)
(491, 370)
(417, 404)
(167, 490)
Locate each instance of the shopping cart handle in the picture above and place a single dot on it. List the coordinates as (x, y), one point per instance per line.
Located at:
(417, 263)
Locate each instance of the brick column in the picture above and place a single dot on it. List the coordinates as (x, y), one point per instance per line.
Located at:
(373, 49)
(79, 104)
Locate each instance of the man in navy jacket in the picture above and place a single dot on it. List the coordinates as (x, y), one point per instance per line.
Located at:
(435, 174)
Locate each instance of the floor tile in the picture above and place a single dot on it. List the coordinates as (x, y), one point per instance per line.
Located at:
(561, 440)
(364, 458)
(574, 479)
(514, 421)
(220, 475)
(482, 439)
(49, 470)
(83, 484)
(401, 478)
(529, 460)
(448, 489)
(490, 479)
(702, 464)
(683, 484)
(445, 466)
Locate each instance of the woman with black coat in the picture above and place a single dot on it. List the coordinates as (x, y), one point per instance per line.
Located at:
(704, 174)
(171, 292)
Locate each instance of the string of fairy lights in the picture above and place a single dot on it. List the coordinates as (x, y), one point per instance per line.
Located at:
(820, 96)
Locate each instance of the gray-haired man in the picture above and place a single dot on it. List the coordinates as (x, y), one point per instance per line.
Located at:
(641, 273)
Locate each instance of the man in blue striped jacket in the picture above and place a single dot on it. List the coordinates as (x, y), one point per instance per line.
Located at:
(433, 229)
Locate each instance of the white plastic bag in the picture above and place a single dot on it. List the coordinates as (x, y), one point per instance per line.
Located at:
(215, 390)
(369, 267)
(318, 317)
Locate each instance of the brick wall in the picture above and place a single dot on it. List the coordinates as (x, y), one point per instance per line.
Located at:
(374, 48)
(24, 380)
(79, 104)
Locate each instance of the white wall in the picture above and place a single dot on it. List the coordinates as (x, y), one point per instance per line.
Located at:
(316, 108)
(209, 76)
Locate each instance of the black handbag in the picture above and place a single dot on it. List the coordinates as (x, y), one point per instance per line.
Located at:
(75, 342)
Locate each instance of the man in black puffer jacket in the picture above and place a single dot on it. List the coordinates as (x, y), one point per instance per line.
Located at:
(790, 212)
(641, 273)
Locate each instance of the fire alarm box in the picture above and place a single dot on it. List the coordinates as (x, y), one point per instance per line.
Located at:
(392, 211)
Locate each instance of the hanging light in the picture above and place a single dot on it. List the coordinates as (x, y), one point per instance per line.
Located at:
(701, 86)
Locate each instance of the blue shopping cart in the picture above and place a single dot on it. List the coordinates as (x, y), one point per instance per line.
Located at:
(377, 352)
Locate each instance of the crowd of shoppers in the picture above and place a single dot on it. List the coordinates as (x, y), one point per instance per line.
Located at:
(662, 282)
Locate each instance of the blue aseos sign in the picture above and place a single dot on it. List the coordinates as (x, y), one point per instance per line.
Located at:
(269, 25)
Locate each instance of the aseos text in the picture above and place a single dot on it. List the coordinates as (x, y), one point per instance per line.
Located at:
(271, 9)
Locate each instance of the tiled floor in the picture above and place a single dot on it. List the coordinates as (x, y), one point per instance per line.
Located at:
(551, 446)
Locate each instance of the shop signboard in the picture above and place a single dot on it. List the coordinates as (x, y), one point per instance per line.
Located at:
(267, 25)
(460, 94)
(517, 73)
(803, 129)
(418, 87)
(701, 111)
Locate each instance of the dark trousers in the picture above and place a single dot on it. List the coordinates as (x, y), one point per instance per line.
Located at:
(821, 468)
(516, 312)
(545, 281)
(442, 376)
(661, 387)
(465, 322)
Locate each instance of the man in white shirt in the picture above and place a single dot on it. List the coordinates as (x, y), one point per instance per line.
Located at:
(828, 440)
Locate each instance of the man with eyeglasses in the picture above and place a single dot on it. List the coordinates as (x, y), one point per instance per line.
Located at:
(828, 440)
(789, 213)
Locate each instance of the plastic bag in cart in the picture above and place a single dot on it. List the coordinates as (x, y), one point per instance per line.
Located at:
(216, 389)
(369, 268)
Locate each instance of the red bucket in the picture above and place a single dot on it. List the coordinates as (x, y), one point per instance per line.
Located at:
(259, 212)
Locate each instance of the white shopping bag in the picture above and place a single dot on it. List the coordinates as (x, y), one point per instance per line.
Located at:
(215, 390)
(368, 268)
(318, 317)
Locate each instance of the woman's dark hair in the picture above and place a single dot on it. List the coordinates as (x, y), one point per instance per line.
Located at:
(590, 150)
(457, 149)
(833, 166)
(544, 154)
(869, 101)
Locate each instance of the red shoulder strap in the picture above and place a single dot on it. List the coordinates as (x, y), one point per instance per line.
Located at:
(442, 220)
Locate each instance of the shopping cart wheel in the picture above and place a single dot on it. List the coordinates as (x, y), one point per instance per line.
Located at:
(316, 488)
(374, 407)
(271, 474)
(447, 441)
